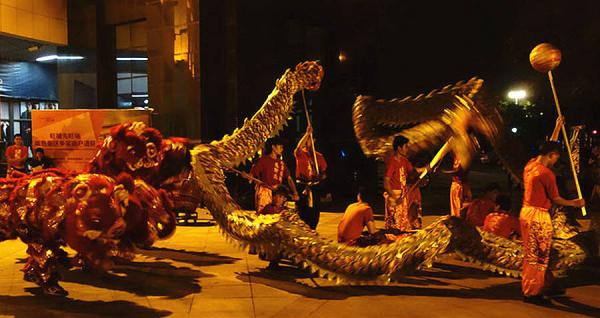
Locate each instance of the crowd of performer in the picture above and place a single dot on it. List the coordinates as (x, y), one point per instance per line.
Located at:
(492, 212)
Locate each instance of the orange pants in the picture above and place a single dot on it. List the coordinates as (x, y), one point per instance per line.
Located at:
(405, 214)
(536, 229)
(263, 196)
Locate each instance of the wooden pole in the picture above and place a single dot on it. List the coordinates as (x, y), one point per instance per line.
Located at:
(566, 138)
(312, 141)
(434, 162)
(247, 177)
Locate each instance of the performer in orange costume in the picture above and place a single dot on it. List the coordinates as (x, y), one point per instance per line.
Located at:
(479, 208)
(536, 226)
(357, 216)
(271, 170)
(502, 222)
(402, 209)
(460, 191)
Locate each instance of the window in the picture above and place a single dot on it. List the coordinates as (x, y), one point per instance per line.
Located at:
(132, 65)
(15, 118)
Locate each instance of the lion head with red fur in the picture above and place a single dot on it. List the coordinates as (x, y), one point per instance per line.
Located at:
(142, 152)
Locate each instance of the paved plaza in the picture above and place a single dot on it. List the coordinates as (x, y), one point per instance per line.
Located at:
(197, 273)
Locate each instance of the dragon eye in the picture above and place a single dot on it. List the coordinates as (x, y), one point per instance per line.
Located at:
(81, 191)
(151, 150)
(131, 150)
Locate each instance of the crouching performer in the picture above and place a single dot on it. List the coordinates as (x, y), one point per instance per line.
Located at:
(502, 221)
(357, 216)
(280, 196)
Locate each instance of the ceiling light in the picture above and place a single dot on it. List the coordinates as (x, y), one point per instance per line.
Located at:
(132, 58)
(57, 57)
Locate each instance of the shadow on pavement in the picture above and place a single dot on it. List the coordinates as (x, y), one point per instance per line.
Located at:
(143, 279)
(286, 279)
(190, 257)
(43, 306)
(153, 278)
(454, 272)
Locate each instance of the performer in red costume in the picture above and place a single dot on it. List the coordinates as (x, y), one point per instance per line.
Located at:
(402, 209)
(502, 222)
(280, 196)
(536, 226)
(16, 156)
(460, 191)
(481, 207)
(271, 171)
(309, 174)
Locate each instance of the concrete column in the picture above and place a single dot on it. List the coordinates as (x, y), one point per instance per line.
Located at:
(174, 89)
(106, 64)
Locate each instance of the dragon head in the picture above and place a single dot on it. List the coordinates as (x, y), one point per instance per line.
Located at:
(312, 74)
(426, 120)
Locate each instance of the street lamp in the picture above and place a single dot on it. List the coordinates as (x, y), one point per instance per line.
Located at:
(517, 95)
(342, 57)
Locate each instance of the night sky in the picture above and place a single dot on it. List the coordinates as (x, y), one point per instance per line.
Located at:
(401, 48)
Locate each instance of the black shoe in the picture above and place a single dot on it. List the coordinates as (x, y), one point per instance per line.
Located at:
(252, 250)
(537, 300)
(273, 266)
(54, 290)
(31, 277)
(555, 292)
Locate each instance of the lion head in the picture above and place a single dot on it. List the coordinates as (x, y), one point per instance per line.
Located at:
(94, 211)
(131, 147)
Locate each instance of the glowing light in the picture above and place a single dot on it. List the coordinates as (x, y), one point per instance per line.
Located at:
(541, 113)
(139, 95)
(58, 57)
(146, 101)
(342, 57)
(132, 58)
(594, 132)
(514, 130)
(517, 95)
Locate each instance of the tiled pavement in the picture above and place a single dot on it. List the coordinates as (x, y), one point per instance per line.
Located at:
(196, 273)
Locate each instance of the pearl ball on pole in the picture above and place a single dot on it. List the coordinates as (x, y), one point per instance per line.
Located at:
(544, 58)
